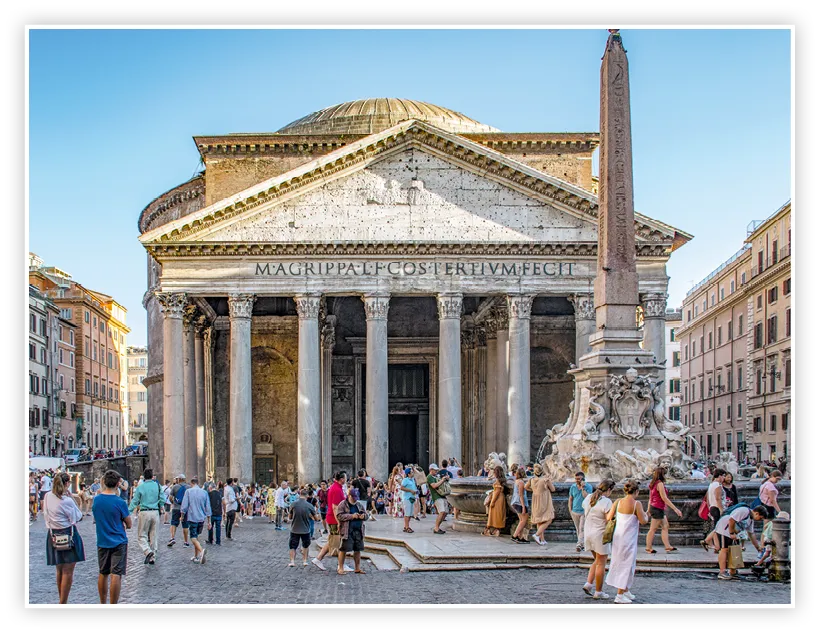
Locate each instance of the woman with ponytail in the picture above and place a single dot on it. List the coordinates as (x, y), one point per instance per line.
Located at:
(61, 515)
(596, 507)
(630, 516)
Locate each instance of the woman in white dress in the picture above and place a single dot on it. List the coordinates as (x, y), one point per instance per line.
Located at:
(596, 507)
(629, 517)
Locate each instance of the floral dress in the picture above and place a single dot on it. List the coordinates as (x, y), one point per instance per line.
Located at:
(396, 508)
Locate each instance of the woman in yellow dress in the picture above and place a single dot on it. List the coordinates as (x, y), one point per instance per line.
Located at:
(543, 513)
(497, 509)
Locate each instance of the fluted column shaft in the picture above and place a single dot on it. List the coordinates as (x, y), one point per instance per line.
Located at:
(190, 397)
(199, 367)
(328, 342)
(173, 399)
(503, 379)
(449, 376)
(309, 400)
(240, 409)
(491, 407)
(584, 305)
(519, 394)
(376, 426)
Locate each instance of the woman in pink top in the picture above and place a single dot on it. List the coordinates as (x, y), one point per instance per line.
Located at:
(658, 502)
(768, 492)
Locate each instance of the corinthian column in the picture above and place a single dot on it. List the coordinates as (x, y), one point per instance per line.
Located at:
(190, 389)
(491, 402)
(519, 394)
(654, 329)
(376, 428)
(309, 401)
(199, 368)
(173, 408)
(449, 376)
(502, 366)
(584, 322)
(328, 342)
(240, 307)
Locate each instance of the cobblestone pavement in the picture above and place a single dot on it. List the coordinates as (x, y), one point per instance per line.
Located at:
(253, 569)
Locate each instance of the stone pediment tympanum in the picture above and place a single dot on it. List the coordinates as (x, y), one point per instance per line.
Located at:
(410, 183)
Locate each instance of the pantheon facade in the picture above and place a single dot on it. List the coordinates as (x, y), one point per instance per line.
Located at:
(383, 280)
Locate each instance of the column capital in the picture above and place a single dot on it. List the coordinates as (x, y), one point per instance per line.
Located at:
(200, 325)
(307, 306)
(584, 304)
(654, 305)
(172, 304)
(240, 305)
(376, 306)
(449, 306)
(329, 332)
(189, 316)
(481, 337)
(467, 339)
(501, 316)
(208, 337)
(520, 306)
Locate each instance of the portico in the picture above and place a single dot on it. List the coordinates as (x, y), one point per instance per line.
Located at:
(413, 286)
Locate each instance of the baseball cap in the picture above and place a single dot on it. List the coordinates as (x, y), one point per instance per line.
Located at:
(181, 476)
(407, 471)
(433, 467)
(354, 492)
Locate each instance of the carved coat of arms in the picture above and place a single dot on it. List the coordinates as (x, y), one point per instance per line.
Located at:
(631, 397)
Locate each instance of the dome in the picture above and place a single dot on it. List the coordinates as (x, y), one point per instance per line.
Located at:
(368, 116)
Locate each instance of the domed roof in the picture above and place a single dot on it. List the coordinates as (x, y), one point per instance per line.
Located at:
(368, 116)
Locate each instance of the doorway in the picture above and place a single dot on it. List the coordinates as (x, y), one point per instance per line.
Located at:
(402, 443)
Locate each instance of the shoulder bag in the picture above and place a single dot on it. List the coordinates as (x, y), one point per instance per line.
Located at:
(703, 509)
(609, 529)
(60, 542)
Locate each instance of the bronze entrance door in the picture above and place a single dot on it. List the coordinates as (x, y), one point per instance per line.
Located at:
(264, 470)
(402, 445)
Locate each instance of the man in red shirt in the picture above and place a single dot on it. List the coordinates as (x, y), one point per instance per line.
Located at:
(335, 495)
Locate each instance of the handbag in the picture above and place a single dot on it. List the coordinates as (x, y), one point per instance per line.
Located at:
(609, 529)
(735, 557)
(703, 509)
(444, 489)
(62, 542)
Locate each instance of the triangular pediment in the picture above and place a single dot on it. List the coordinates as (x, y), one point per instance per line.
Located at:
(411, 183)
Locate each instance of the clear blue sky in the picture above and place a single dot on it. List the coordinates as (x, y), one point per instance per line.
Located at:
(112, 114)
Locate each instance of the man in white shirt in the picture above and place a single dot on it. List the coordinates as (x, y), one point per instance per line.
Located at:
(45, 486)
(727, 529)
(281, 503)
(230, 505)
(453, 468)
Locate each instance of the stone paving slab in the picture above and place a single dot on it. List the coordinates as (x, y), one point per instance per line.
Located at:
(252, 569)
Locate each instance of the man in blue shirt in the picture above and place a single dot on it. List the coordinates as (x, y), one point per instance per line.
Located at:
(112, 518)
(577, 492)
(196, 511)
(409, 492)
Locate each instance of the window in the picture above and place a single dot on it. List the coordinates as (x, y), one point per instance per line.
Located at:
(110, 360)
(759, 302)
(674, 385)
(685, 393)
(96, 388)
(728, 412)
(759, 262)
(71, 359)
(743, 278)
(688, 315)
(141, 396)
(739, 412)
(772, 423)
(87, 386)
(774, 252)
(739, 378)
(696, 312)
(94, 356)
(702, 348)
(789, 322)
(709, 444)
(675, 359)
(709, 416)
(73, 384)
(729, 379)
(718, 412)
(731, 286)
(704, 305)
(773, 378)
(32, 351)
(757, 424)
(32, 323)
(701, 418)
(758, 381)
(787, 286)
(671, 340)
(771, 330)
(787, 371)
(773, 294)
(758, 340)
(720, 336)
(740, 324)
(721, 294)
(712, 300)
(701, 391)
(729, 330)
(718, 443)
(710, 340)
(70, 337)
(61, 355)
(94, 324)
(784, 422)
(43, 355)
(674, 413)
(729, 442)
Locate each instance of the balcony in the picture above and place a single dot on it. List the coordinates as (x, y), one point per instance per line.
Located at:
(782, 254)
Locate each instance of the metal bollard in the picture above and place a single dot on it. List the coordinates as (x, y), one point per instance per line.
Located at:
(781, 551)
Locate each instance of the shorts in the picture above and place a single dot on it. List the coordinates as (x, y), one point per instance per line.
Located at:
(726, 541)
(441, 505)
(354, 541)
(657, 513)
(112, 560)
(714, 513)
(518, 508)
(194, 529)
(333, 528)
(176, 514)
(295, 538)
(167, 507)
(408, 507)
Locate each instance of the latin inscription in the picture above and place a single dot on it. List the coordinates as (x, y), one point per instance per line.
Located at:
(415, 269)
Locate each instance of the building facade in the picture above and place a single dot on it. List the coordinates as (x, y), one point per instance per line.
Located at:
(99, 331)
(137, 394)
(736, 344)
(672, 373)
(40, 425)
(380, 281)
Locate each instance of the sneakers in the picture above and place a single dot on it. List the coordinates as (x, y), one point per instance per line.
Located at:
(629, 594)
(202, 556)
(439, 532)
(147, 558)
(291, 564)
(622, 599)
(171, 542)
(538, 540)
(589, 588)
(319, 564)
(153, 559)
(600, 595)
(724, 575)
(578, 548)
(195, 559)
(304, 563)
(186, 544)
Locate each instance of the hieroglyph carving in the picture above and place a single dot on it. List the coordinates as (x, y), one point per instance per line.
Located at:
(520, 306)
(307, 306)
(449, 306)
(631, 397)
(376, 306)
(240, 305)
(172, 304)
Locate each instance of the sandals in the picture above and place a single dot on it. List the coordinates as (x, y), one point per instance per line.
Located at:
(672, 549)
(408, 530)
(360, 571)
(705, 545)
(651, 551)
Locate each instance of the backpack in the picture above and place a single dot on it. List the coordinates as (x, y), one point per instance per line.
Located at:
(180, 493)
(731, 509)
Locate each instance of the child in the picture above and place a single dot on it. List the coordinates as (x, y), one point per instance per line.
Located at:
(765, 555)
(112, 519)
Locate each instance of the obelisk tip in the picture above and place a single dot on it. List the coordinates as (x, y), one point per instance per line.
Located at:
(614, 39)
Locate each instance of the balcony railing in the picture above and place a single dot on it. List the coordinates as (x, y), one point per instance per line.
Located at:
(784, 252)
